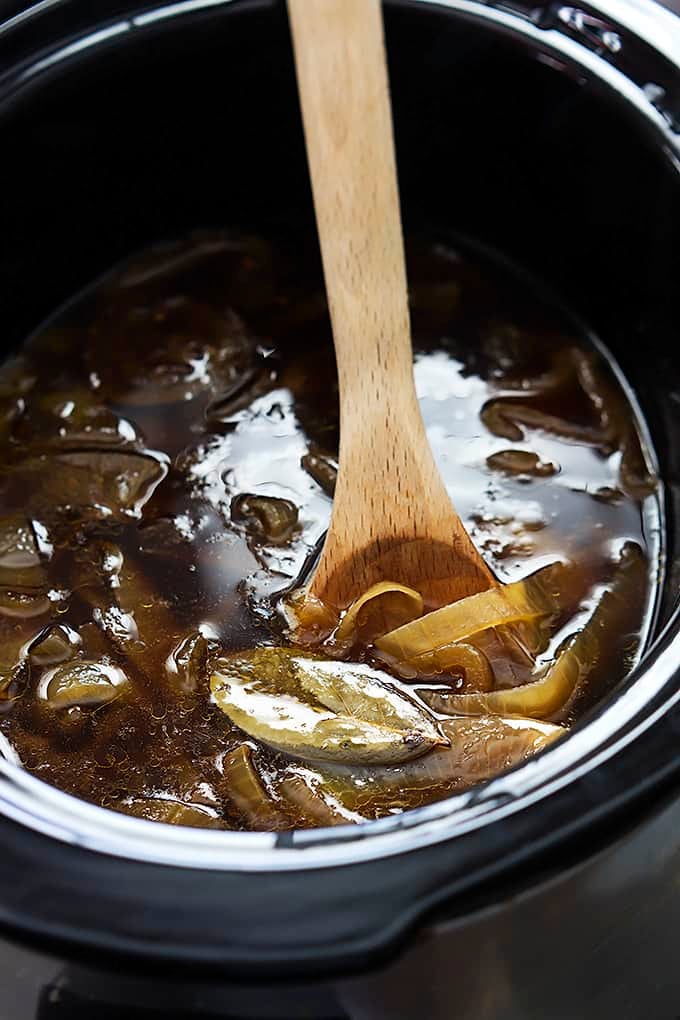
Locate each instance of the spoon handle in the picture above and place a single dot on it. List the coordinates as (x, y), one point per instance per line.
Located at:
(345, 102)
(391, 507)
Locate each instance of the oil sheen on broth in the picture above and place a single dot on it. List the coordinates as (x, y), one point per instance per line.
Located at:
(169, 447)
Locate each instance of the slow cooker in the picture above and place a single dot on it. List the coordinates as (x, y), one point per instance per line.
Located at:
(549, 132)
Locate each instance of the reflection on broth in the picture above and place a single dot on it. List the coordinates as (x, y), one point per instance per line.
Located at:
(169, 448)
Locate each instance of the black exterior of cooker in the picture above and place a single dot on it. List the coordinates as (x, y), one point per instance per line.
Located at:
(550, 892)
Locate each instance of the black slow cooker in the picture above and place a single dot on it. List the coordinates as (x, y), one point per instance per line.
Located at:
(548, 132)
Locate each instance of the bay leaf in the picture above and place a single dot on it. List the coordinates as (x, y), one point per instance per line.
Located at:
(259, 692)
(352, 688)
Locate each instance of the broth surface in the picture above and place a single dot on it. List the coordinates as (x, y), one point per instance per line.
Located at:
(140, 430)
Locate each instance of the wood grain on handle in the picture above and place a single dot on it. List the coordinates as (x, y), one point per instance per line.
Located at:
(392, 517)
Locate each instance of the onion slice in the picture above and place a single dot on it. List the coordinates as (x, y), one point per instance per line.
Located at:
(383, 607)
(466, 661)
(247, 792)
(420, 641)
(549, 694)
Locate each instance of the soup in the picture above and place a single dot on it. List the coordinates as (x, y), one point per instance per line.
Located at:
(169, 445)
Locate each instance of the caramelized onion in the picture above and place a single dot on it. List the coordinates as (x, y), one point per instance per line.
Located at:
(466, 662)
(266, 517)
(323, 469)
(187, 663)
(100, 483)
(23, 604)
(418, 642)
(382, 608)
(20, 563)
(172, 812)
(247, 793)
(549, 694)
(54, 644)
(310, 620)
(520, 462)
(504, 417)
(511, 651)
(537, 700)
(314, 804)
(81, 683)
(480, 748)
(636, 475)
(14, 681)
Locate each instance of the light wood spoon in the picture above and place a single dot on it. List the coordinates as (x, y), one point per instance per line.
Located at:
(392, 517)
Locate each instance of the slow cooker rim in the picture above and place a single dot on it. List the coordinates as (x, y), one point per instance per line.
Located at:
(640, 19)
(571, 778)
(388, 911)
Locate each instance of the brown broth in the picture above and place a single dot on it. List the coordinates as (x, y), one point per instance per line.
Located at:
(204, 370)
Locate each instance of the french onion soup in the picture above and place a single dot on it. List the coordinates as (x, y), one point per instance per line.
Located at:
(169, 449)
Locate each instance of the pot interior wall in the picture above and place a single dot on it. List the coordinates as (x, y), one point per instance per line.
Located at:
(193, 121)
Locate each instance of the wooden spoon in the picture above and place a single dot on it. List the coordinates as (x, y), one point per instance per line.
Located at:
(392, 517)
